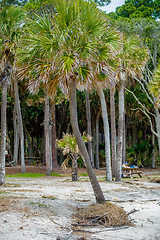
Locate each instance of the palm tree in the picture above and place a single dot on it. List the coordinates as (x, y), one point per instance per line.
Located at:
(58, 50)
(10, 23)
(104, 65)
(133, 57)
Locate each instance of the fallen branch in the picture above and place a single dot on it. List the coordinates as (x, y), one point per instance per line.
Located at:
(132, 211)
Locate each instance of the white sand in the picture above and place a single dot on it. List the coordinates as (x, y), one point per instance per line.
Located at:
(43, 208)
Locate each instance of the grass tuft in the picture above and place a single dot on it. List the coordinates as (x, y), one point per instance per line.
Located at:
(26, 175)
(54, 174)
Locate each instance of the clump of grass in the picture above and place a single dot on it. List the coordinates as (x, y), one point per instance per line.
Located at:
(54, 174)
(84, 174)
(27, 175)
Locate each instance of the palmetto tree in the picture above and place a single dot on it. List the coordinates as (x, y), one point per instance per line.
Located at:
(104, 66)
(58, 51)
(10, 23)
(133, 57)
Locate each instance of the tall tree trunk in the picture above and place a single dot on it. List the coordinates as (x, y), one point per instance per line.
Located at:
(74, 122)
(74, 168)
(124, 141)
(3, 131)
(16, 137)
(47, 136)
(157, 120)
(54, 149)
(120, 133)
(89, 131)
(97, 140)
(107, 136)
(113, 130)
(20, 124)
(153, 151)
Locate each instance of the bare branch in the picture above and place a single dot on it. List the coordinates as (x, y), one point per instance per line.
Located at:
(144, 90)
(150, 121)
(140, 102)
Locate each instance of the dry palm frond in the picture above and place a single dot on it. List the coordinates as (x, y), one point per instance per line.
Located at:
(64, 164)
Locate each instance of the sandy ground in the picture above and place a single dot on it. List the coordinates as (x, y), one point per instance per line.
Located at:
(42, 208)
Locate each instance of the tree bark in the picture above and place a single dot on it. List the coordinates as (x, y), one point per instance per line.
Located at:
(74, 168)
(124, 141)
(153, 151)
(16, 137)
(3, 131)
(107, 136)
(54, 149)
(97, 140)
(113, 131)
(47, 136)
(89, 131)
(157, 120)
(120, 132)
(74, 122)
(20, 124)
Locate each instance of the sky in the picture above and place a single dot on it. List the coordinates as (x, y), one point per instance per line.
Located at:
(112, 6)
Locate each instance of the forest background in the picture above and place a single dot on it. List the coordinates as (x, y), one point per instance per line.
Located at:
(31, 117)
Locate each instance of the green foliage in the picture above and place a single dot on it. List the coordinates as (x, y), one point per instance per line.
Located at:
(136, 155)
(68, 143)
(139, 9)
(54, 174)
(26, 175)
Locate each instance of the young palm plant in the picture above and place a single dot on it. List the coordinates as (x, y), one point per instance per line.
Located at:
(58, 51)
(69, 147)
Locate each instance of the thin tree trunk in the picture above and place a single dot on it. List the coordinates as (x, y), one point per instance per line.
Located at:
(16, 137)
(20, 124)
(47, 137)
(3, 131)
(74, 168)
(54, 149)
(157, 120)
(97, 140)
(107, 136)
(113, 130)
(89, 131)
(124, 141)
(120, 133)
(74, 122)
(153, 151)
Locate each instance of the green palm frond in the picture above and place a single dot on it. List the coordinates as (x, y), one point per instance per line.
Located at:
(11, 22)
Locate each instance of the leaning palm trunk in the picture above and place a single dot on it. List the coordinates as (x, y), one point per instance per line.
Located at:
(16, 137)
(106, 134)
(113, 130)
(20, 124)
(3, 132)
(120, 133)
(74, 122)
(88, 115)
(47, 137)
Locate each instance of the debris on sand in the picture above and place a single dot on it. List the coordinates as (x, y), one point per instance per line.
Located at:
(155, 180)
(107, 214)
